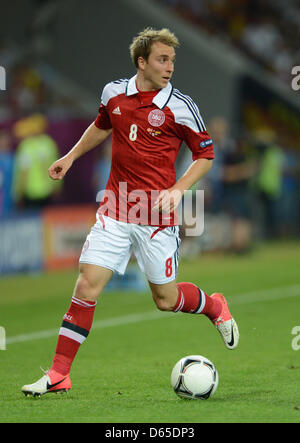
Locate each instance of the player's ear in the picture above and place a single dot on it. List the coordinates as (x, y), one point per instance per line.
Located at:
(141, 63)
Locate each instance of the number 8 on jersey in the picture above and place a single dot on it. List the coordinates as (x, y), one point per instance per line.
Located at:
(133, 132)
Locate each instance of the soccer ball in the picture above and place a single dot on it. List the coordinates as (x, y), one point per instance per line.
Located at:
(195, 377)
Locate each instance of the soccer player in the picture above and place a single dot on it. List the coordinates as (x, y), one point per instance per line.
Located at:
(149, 120)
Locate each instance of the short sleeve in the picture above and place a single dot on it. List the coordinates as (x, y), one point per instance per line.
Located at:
(200, 143)
(102, 120)
(190, 126)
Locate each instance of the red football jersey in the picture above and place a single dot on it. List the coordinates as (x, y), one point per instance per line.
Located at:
(148, 130)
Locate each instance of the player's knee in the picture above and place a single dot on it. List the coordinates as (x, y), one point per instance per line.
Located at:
(85, 290)
(163, 304)
(164, 296)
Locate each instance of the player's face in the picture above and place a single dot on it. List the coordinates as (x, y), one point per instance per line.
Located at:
(157, 71)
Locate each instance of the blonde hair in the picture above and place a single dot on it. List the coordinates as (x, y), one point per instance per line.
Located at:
(141, 44)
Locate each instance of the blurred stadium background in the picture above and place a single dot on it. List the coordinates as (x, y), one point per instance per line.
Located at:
(235, 60)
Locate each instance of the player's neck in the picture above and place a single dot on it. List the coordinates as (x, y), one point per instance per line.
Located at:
(144, 85)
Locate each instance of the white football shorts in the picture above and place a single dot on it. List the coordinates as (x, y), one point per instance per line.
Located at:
(110, 244)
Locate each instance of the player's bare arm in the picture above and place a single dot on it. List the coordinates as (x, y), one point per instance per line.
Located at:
(169, 199)
(91, 138)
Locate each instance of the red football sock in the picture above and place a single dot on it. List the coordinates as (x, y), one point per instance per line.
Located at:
(193, 300)
(75, 328)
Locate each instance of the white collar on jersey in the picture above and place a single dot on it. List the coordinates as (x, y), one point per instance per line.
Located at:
(160, 100)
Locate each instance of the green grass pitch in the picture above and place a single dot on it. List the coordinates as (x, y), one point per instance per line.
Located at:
(122, 372)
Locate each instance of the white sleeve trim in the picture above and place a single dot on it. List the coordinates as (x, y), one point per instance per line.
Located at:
(113, 89)
(186, 111)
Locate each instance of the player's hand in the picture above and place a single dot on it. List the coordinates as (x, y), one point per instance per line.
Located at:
(58, 169)
(168, 200)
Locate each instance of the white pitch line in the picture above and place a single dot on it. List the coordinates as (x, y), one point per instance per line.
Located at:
(266, 295)
(249, 297)
(100, 324)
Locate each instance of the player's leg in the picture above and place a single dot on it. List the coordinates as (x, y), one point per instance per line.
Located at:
(106, 249)
(91, 281)
(189, 298)
(185, 297)
(77, 321)
(74, 330)
(157, 255)
(165, 296)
